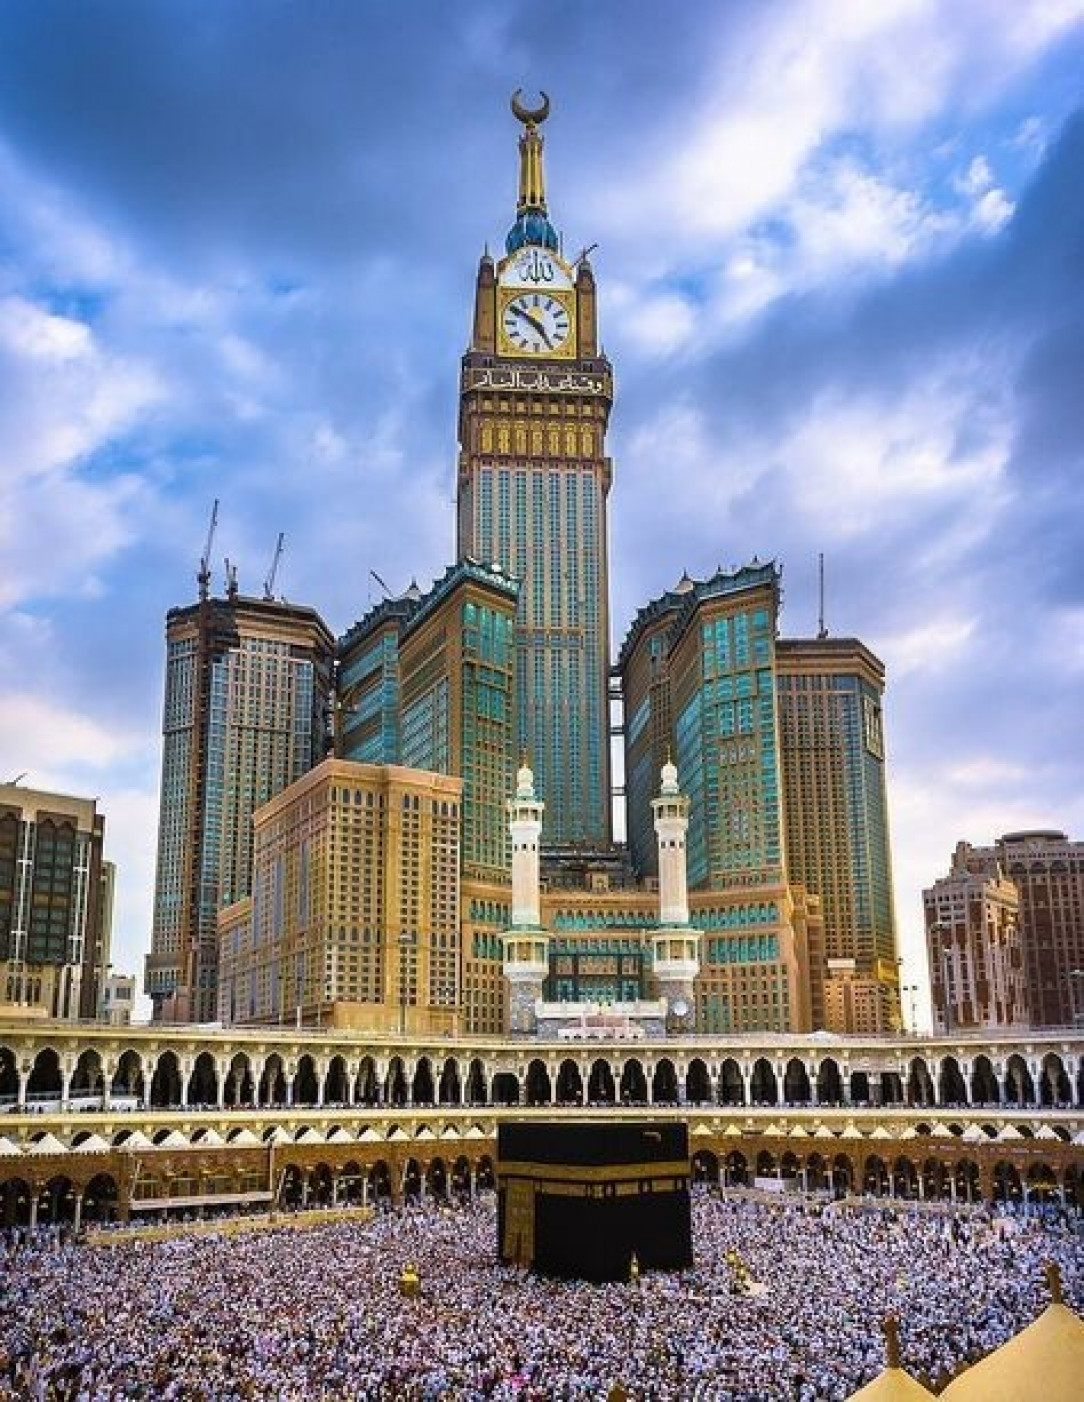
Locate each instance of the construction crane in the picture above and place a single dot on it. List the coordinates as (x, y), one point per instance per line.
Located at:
(231, 578)
(269, 582)
(203, 578)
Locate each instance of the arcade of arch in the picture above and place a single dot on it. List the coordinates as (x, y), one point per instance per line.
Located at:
(95, 1125)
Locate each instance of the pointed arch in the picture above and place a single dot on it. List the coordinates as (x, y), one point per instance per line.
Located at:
(450, 1089)
(633, 1088)
(1054, 1087)
(166, 1089)
(203, 1082)
(763, 1084)
(829, 1082)
(664, 1083)
(920, 1087)
(569, 1083)
(796, 1087)
(539, 1087)
(367, 1083)
(272, 1087)
(731, 1083)
(984, 1087)
(600, 1083)
(698, 1082)
(396, 1089)
(337, 1082)
(423, 1091)
(1019, 1083)
(951, 1087)
(88, 1078)
(476, 1083)
(44, 1082)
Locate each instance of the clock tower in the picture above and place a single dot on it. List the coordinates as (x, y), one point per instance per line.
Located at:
(533, 482)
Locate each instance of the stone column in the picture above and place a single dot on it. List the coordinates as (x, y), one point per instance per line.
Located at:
(147, 1063)
(109, 1070)
(67, 1071)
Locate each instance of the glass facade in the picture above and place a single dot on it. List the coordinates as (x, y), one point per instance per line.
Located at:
(245, 714)
(727, 732)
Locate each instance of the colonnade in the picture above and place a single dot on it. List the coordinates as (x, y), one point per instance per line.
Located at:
(162, 1078)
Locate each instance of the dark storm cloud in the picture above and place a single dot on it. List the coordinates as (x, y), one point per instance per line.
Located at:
(330, 131)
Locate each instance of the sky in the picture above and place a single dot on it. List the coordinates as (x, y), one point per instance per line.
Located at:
(841, 275)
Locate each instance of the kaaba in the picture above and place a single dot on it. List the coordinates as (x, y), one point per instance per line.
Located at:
(581, 1201)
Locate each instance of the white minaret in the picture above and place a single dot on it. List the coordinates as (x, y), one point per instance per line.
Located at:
(676, 945)
(526, 944)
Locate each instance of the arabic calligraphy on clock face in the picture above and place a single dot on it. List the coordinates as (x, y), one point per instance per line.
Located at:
(536, 267)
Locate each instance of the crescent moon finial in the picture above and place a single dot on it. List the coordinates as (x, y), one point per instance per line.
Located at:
(530, 116)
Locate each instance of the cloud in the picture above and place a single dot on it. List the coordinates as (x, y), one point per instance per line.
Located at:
(840, 279)
(65, 398)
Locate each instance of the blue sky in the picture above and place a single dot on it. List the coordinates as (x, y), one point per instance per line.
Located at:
(841, 269)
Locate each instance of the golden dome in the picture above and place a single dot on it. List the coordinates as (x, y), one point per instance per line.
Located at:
(1043, 1363)
(893, 1385)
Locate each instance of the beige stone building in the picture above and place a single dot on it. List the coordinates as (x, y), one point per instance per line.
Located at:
(54, 905)
(978, 977)
(354, 914)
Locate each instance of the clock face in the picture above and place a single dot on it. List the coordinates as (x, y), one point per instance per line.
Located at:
(535, 322)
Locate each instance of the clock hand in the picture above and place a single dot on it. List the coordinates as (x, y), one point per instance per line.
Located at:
(534, 323)
(531, 321)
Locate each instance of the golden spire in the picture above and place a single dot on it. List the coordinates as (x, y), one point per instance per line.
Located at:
(532, 175)
(891, 1326)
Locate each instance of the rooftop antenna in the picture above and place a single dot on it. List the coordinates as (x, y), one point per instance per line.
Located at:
(269, 582)
(381, 583)
(822, 631)
(583, 254)
(203, 577)
(231, 578)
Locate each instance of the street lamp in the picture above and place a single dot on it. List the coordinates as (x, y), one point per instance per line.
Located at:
(911, 989)
(448, 995)
(1075, 1011)
(406, 940)
(941, 932)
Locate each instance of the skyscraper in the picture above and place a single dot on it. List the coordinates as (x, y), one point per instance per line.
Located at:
(53, 906)
(246, 704)
(458, 702)
(429, 681)
(1047, 869)
(726, 732)
(977, 974)
(367, 683)
(836, 816)
(533, 480)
